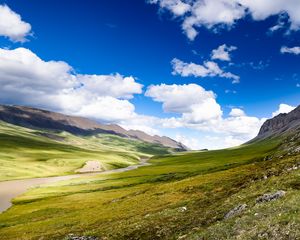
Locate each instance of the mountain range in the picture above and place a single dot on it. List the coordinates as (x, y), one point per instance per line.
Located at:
(42, 119)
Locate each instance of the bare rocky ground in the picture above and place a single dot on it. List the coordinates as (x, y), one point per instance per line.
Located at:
(74, 237)
(91, 166)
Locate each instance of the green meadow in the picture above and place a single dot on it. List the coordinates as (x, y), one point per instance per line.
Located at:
(178, 196)
(26, 153)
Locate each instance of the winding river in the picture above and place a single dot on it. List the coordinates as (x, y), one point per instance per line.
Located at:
(11, 189)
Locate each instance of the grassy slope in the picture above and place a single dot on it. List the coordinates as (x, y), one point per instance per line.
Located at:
(25, 153)
(146, 203)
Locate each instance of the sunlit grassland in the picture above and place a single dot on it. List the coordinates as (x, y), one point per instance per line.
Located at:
(146, 203)
(278, 219)
(26, 153)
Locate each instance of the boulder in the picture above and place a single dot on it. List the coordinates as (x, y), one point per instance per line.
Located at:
(235, 211)
(270, 197)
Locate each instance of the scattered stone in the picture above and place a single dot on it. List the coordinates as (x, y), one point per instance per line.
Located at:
(182, 209)
(270, 197)
(237, 210)
(264, 235)
(297, 150)
(267, 158)
(74, 237)
(265, 177)
(115, 200)
(294, 167)
(182, 236)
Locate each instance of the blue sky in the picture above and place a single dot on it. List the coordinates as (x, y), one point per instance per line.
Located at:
(141, 65)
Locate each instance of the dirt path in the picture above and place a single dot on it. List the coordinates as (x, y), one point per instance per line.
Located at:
(91, 166)
(11, 189)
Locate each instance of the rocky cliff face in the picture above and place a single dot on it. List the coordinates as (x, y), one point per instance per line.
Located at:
(281, 124)
(41, 119)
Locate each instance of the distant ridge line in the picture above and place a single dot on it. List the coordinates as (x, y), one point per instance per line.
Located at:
(36, 118)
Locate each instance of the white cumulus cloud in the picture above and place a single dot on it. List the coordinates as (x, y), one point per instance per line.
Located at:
(223, 52)
(190, 99)
(177, 7)
(211, 14)
(283, 108)
(191, 142)
(198, 109)
(292, 50)
(216, 14)
(28, 80)
(12, 26)
(236, 112)
(208, 69)
(110, 85)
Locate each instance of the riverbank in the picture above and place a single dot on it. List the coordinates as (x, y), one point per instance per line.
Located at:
(11, 189)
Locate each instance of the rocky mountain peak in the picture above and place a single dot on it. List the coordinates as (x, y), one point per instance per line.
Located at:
(280, 124)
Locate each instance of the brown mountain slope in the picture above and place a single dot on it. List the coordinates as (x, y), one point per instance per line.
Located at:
(284, 123)
(42, 119)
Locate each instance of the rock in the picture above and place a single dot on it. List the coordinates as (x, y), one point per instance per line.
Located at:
(74, 237)
(297, 150)
(182, 209)
(237, 210)
(295, 167)
(270, 197)
(182, 236)
(267, 158)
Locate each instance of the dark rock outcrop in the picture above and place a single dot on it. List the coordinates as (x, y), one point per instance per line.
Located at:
(236, 211)
(280, 124)
(270, 197)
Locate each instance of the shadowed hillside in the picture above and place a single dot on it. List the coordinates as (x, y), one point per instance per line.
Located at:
(42, 119)
(27, 153)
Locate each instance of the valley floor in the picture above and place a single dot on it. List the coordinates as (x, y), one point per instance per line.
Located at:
(28, 153)
(11, 189)
(179, 196)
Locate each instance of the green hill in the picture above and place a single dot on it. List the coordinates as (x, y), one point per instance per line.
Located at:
(27, 153)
